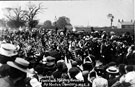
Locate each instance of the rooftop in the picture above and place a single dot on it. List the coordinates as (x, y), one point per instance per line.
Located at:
(127, 23)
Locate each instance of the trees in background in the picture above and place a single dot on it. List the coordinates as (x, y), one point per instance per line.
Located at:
(62, 22)
(2, 22)
(31, 13)
(32, 24)
(17, 17)
(47, 24)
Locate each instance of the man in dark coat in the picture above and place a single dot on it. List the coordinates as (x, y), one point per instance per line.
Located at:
(61, 67)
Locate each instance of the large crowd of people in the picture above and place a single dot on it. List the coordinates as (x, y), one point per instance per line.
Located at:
(97, 58)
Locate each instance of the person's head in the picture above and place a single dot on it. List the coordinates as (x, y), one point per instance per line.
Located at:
(92, 76)
(112, 64)
(100, 71)
(74, 64)
(62, 66)
(92, 29)
(64, 70)
(87, 66)
(127, 33)
(112, 72)
(79, 61)
(18, 68)
(122, 69)
(85, 75)
(4, 70)
(59, 66)
(129, 68)
(15, 73)
(73, 72)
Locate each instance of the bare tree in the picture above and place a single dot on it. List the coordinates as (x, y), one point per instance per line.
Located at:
(15, 13)
(31, 13)
(18, 17)
(15, 17)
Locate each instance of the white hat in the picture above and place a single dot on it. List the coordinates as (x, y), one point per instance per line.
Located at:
(79, 76)
(20, 64)
(60, 61)
(112, 33)
(8, 49)
(112, 69)
(98, 63)
(35, 83)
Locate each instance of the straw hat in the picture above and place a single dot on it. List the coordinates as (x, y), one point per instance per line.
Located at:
(112, 33)
(20, 64)
(8, 49)
(112, 69)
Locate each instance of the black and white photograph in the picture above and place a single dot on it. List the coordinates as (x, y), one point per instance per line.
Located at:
(67, 43)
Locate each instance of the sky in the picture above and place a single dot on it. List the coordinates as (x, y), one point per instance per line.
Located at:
(80, 12)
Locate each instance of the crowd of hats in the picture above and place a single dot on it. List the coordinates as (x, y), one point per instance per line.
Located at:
(55, 60)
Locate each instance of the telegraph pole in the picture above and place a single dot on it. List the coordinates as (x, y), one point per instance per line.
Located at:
(56, 29)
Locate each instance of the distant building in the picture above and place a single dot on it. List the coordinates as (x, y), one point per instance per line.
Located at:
(126, 24)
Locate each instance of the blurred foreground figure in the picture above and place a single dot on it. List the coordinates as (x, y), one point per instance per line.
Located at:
(14, 74)
(7, 52)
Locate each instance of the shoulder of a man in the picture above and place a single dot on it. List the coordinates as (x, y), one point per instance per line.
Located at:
(100, 80)
(5, 83)
(130, 76)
